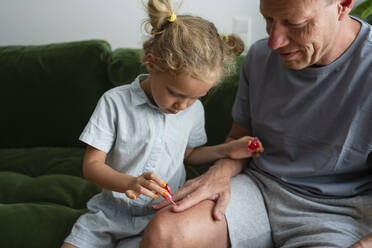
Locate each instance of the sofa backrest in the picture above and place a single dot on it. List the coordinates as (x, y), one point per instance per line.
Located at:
(48, 92)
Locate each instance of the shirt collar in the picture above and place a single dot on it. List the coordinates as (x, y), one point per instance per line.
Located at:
(139, 96)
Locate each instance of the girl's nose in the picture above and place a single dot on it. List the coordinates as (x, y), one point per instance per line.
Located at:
(181, 105)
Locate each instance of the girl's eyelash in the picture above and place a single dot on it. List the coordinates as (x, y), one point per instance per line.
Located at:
(172, 92)
(175, 94)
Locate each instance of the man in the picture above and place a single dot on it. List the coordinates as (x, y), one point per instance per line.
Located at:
(305, 92)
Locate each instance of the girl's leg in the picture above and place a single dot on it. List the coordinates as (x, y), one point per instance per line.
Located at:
(67, 245)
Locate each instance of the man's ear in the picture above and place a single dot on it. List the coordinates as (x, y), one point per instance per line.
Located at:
(344, 8)
(150, 63)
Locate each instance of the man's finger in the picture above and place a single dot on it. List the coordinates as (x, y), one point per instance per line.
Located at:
(220, 207)
(160, 205)
(178, 196)
(189, 200)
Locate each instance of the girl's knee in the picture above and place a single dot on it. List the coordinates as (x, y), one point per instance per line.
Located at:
(67, 245)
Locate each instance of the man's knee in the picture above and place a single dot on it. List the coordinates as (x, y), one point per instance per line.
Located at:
(163, 231)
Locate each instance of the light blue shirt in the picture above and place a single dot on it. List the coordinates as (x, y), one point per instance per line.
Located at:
(138, 137)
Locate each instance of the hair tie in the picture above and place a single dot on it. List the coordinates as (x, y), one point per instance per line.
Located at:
(172, 17)
(224, 38)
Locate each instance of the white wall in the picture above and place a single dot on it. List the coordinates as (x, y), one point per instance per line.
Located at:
(357, 2)
(29, 22)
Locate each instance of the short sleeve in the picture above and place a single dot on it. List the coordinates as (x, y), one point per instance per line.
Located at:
(241, 112)
(100, 132)
(198, 136)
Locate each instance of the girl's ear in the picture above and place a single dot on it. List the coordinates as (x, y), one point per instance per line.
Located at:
(149, 62)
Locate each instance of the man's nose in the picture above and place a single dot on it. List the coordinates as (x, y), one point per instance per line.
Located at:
(278, 36)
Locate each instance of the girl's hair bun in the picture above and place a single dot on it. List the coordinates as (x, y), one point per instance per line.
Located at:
(159, 12)
(188, 44)
(233, 44)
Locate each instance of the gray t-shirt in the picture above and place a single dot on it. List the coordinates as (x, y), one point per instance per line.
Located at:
(316, 123)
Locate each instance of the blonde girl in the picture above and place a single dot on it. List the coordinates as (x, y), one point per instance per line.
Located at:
(140, 135)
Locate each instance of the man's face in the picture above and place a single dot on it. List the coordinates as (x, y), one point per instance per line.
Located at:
(302, 31)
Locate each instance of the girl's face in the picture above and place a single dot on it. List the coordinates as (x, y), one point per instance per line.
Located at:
(174, 93)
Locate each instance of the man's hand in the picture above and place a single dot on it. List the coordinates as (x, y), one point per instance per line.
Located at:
(366, 242)
(213, 185)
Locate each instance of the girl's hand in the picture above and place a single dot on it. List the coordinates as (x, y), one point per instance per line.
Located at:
(363, 243)
(243, 148)
(148, 184)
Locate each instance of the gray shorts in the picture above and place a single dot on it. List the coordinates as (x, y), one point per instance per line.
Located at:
(263, 213)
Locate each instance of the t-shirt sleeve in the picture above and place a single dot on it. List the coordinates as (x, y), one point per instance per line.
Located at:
(198, 136)
(241, 112)
(100, 132)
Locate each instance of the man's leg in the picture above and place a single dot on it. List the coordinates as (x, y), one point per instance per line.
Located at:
(299, 220)
(246, 217)
(194, 227)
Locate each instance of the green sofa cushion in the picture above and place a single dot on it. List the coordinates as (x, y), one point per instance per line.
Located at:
(48, 92)
(42, 193)
(125, 66)
(35, 225)
(218, 106)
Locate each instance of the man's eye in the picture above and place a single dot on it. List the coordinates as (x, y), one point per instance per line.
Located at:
(297, 25)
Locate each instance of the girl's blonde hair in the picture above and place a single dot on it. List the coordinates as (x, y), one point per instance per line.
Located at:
(188, 44)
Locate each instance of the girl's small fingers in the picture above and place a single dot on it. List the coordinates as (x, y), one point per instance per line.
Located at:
(131, 194)
(261, 146)
(147, 192)
(154, 187)
(140, 190)
(153, 177)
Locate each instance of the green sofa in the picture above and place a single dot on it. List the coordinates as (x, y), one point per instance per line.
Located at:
(47, 94)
